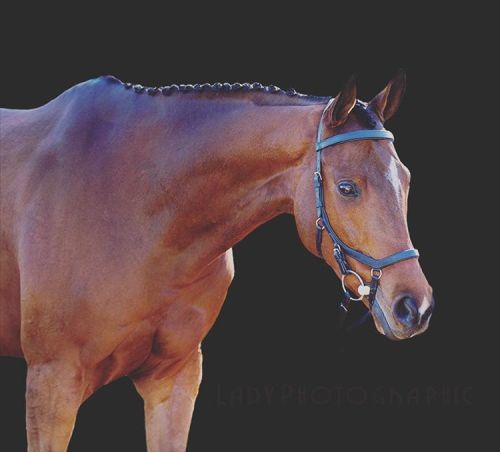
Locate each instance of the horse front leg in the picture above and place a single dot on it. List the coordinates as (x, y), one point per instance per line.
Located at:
(169, 404)
(169, 390)
(54, 392)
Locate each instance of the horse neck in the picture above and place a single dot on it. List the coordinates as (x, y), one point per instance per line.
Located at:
(240, 171)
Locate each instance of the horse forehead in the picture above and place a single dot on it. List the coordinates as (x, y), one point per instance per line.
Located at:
(386, 166)
(378, 155)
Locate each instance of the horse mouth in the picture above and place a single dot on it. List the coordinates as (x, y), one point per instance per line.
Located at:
(382, 324)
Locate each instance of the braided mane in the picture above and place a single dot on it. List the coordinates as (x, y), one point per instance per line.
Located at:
(360, 109)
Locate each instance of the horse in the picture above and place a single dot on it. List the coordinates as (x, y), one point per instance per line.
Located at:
(120, 205)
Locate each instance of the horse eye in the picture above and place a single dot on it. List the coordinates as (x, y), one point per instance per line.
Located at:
(347, 188)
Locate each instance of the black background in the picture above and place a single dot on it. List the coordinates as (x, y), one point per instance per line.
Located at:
(275, 333)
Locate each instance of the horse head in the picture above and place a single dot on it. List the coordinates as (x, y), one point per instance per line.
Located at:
(361, 200)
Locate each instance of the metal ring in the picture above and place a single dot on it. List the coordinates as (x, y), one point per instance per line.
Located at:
(318, 225)
(361, 282)
(378, 275)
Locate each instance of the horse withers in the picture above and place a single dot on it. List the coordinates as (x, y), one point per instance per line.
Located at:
(119, 208)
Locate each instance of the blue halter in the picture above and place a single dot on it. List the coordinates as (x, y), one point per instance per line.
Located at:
(341, 249)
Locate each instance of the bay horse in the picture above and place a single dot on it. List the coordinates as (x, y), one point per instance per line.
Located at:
(119, 208)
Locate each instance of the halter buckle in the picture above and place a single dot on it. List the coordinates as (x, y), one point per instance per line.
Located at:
(340, 258)
(319, 224)
(376, 273)
(317, 175)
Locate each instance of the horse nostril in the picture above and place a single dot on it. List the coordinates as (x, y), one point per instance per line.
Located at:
(406, 311)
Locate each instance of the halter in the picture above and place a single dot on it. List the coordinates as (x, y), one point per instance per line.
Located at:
(341, 249)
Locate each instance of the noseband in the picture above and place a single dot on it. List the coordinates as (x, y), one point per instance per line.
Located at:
(341, 249)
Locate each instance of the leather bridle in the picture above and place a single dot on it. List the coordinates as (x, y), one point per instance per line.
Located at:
(341, 249)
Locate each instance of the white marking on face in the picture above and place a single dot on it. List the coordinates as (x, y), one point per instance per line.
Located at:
(392, 176)
(424, 306)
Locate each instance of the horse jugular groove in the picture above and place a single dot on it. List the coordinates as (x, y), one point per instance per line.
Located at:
(120, 210)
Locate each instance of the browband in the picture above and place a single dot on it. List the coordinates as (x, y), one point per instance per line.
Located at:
(354, 136)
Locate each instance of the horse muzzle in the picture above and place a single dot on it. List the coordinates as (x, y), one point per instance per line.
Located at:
(407, 318)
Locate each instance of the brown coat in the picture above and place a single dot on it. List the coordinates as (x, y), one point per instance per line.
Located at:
(118, 214)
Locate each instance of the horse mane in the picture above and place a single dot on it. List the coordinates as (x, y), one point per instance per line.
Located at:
(360, 109)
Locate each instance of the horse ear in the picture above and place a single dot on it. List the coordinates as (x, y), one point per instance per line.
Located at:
(337, 112)
(386, 103)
